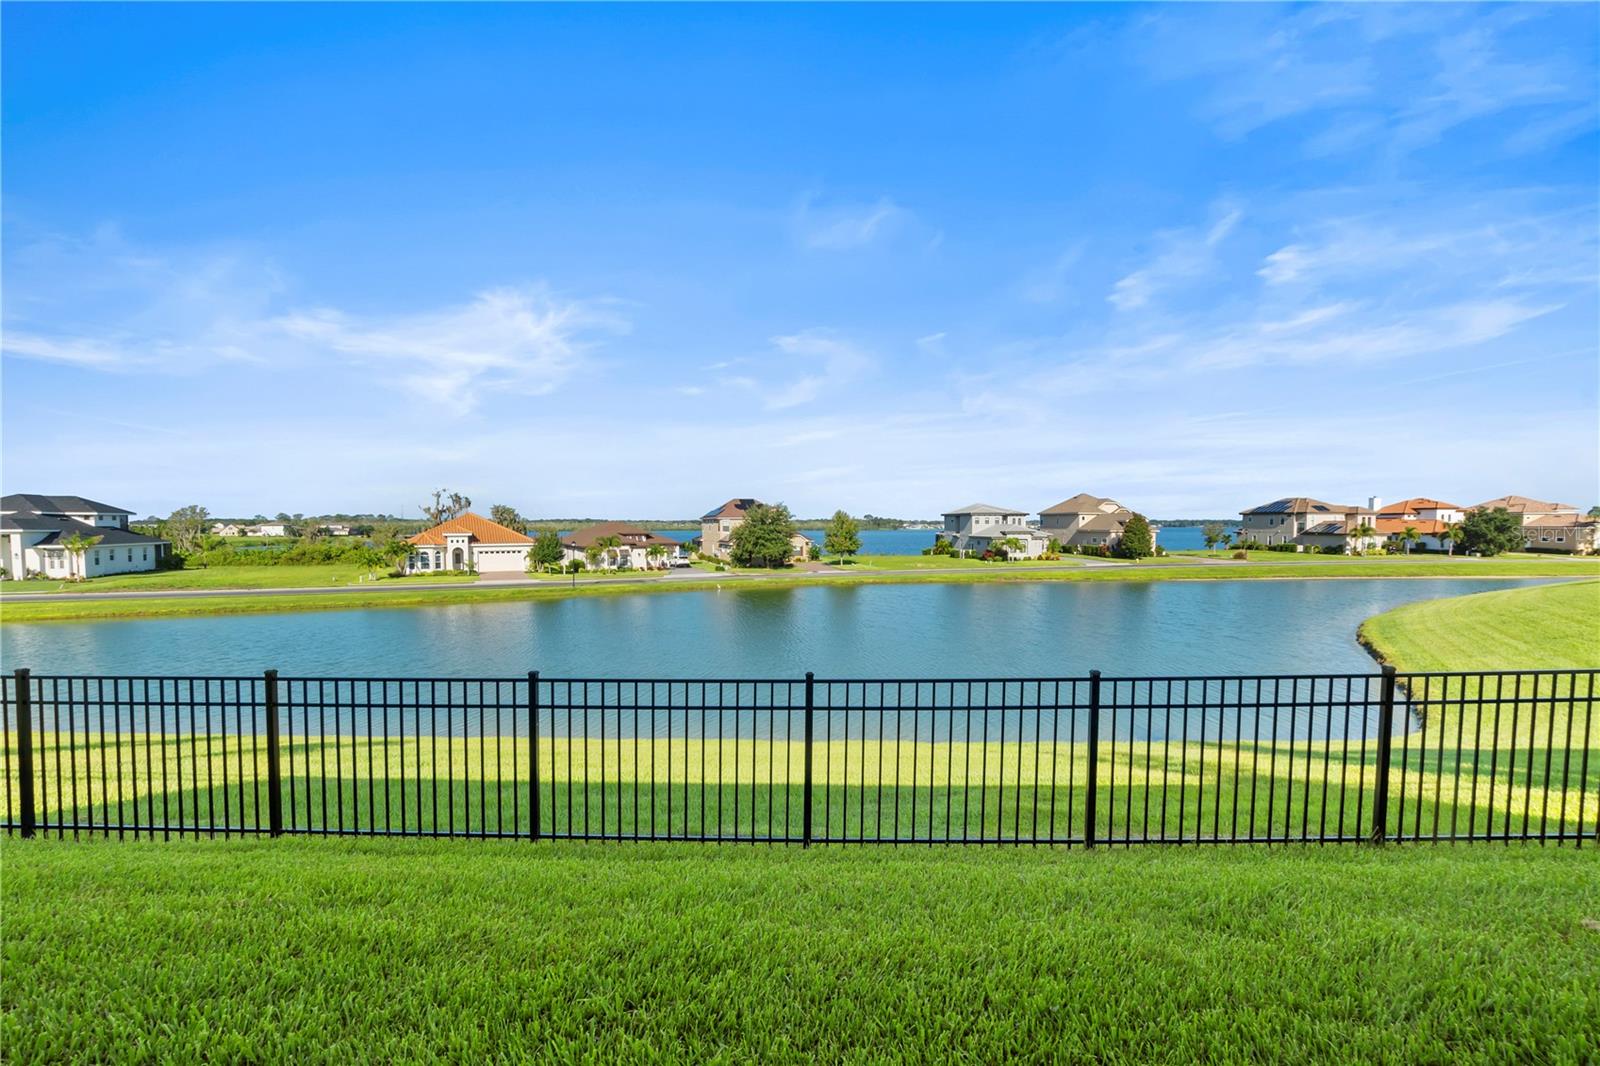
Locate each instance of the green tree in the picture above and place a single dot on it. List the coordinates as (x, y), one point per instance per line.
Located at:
(506, 515)
(843, 536)
(1362, 533)
(1213, 534)
(76, 545)
(1594, 512)
(1006, 546)
(762, 539)
(1452, 534)
(395, 551)
(1137, 541)
(594, 553)
(186, 526)
(1492, 532)
(546, 551)
(1408, 537)
(655, 553)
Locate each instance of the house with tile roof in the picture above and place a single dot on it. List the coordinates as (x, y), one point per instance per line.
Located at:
(976, 527)
(469, 542)
(1548, 526)
(1431, 519)
(1086, 521)
(1309, 523)
(717, 526)
(1573, 533)
(35, 529)
(631, 552)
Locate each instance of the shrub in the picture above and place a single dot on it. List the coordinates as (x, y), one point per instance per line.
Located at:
(1283, 547)
(1241, 555)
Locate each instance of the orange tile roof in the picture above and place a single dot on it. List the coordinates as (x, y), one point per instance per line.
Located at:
(1431, 527)
(476, 527)
(1416, 503)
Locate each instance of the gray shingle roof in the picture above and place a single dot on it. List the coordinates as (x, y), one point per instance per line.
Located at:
(27, 501)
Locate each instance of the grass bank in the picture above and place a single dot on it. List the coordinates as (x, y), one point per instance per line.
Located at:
(236, 577)
(1553, 627)
(299, 950)
(22, 609)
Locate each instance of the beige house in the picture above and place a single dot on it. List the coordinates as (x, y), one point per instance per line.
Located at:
(632, 552)
(1561, 533)
(469, 542)
(34, 531)
(1527, 509)
(1086, 521)
(976, 527)
(717, 526)
(1309, 523)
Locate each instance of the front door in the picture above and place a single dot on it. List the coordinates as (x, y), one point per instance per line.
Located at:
(455, 560)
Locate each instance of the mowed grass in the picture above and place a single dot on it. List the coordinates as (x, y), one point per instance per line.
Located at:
(1530, 776)
(233, 577)
(379, 951)
(1551, 627)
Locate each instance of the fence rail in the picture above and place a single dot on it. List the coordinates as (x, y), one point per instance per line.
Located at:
(1085, 761)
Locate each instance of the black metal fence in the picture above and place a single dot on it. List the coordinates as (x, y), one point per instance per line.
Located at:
(1067, 761)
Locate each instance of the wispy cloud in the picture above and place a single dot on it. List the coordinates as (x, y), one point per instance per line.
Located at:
(524, 341)
(99, 304)
(844, 226)
(1184, 255)
(1385, 77)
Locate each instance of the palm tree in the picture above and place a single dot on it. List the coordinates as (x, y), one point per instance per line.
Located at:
(1408, 537)
(1008, 545)
(1452, 533)
(1361, 534)
(655, 553)
(76, 545)
(609, 546)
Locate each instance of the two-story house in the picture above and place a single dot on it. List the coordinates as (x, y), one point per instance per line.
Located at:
(1548, 526)
(36, 529)
(1309, 523)
(976, 527)
(1086, 521)
(1431, 519)
(718, 524)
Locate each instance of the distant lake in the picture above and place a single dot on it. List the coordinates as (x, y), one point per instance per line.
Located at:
(913, 541)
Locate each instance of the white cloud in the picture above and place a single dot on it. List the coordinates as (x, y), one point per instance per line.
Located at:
(518, 340)
(99, 304)
(842, 227)
(1393, 78)
(1185, 255)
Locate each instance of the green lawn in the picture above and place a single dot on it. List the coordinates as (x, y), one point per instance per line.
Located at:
(1552, 627)
(374, 951)
(236, 577)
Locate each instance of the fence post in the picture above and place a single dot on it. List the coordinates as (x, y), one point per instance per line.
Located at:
(1089, 799)
(25, 752)
(1380, 799)
(533, 754)
(274, 771)
(805, 793)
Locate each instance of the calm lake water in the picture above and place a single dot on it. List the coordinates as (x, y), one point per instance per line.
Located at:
(933, 630)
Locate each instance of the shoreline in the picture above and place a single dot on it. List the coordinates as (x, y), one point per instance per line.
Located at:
(40, 608)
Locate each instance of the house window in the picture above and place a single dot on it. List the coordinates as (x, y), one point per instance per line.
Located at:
(423, 562)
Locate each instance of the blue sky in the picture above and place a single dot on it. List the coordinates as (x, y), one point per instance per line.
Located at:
(632, 261)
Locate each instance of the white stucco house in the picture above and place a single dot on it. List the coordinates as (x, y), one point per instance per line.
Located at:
(469, 542)
(35, 529)
(977, 526)
(632, 552)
